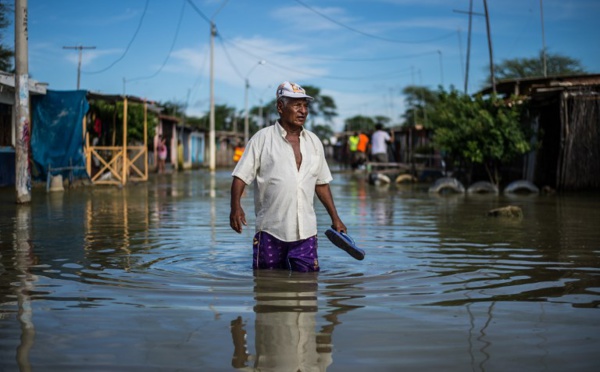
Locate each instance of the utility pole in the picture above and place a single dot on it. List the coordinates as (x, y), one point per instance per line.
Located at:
(23, 135)
(489, 37)
(247, 86)
(469, 45)
(441, 67)
(460, 51)
(543, 41)
(79, 48)
(469, 33)
(211, 133)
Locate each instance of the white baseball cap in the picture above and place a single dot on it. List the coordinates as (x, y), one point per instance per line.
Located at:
(292, 90)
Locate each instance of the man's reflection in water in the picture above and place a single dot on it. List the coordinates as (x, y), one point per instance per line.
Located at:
(285, 326)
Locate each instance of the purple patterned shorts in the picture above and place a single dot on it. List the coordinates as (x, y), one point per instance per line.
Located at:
(272, 253)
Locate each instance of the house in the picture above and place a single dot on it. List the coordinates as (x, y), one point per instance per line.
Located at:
(8, 124)
(565, 121)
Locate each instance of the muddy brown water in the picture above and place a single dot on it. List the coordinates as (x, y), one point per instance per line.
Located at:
(151, 278)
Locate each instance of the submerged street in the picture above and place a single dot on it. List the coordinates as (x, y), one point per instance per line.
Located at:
(151, 277)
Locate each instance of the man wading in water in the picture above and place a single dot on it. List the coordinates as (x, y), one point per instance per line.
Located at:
(287, 164)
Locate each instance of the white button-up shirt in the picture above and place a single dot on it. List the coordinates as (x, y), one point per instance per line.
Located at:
(283, 194)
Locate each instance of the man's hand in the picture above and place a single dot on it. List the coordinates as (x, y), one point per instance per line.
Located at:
(339, 226)
(237, 218)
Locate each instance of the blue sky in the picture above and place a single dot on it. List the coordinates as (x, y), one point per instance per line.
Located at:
(360, 52)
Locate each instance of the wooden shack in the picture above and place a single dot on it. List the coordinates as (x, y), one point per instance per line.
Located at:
(115, 161)
(565, 120)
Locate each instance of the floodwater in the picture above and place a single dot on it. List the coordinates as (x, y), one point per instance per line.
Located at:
(151, 278)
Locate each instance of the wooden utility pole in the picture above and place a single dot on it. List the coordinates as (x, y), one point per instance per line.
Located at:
(489, 37)
(469, 46)
(469, 32)
(211, 133)
(544, 63)
(23, 133)
(80, 48)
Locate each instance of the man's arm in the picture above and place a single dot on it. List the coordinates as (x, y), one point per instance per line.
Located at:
(391, 136)
(237, 217)
(324, 195)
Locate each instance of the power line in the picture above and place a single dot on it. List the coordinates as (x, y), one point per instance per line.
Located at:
(367, 34)
(229, 59)
(170, 50)
(199, 11)
(220, 8)
(340, 59)
(287, 68)
(128, 45)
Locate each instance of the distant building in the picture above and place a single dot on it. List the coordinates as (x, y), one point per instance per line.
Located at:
(565, 119)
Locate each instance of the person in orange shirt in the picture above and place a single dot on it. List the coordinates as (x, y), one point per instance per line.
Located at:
(238, 151)
(361, 149)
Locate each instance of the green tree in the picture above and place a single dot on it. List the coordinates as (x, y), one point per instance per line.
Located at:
(419, 100)
(6, 54)
(225, 117)
(111, 115)
(324, 132)
(478, 131)
(322, 105)
(359, 123)
(556, 64)
(173, 108)
(383, 120)
(268, 112)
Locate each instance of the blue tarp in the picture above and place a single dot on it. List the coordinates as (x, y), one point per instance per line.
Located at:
(57, 132)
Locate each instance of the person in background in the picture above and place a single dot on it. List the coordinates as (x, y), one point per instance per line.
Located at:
(287, 165)
(353, 147)
(379, 144)
(180, 159)
(238, 151)
(361, 149)
(161, 149)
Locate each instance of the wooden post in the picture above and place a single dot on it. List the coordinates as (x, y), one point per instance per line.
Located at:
(23, 132)
(88, 155)
(491, 49)
(125, 166)
(145, 140)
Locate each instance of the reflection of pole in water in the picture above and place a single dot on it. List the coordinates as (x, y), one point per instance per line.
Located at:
(23, 251)
(213, 207)
(482, 332)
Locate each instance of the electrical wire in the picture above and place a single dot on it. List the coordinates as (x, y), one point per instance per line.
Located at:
(220, 8)
(199, 12)
(230, 60)
(367, 34)
(287, 68)
(198, 82)
(170, 50)
(139, 26)
(338, 59)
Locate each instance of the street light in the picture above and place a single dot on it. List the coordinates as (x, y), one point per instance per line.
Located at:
(260, 108)
(246, 130)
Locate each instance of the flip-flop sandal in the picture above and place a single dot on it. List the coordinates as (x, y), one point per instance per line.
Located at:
(345, 242)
